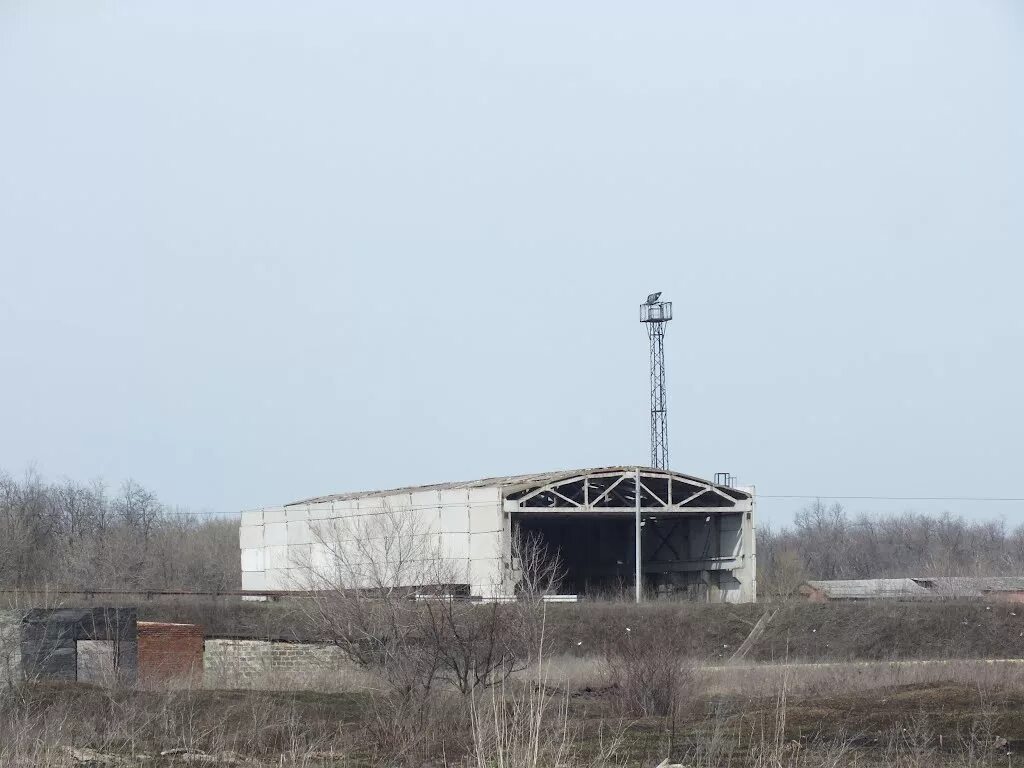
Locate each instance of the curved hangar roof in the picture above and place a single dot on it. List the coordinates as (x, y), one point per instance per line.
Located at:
(600, 489)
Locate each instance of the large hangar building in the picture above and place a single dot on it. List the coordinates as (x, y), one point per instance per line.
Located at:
(697, 536)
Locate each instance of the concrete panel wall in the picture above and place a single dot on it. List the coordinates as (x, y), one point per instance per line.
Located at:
(464, 528)
(94, 662)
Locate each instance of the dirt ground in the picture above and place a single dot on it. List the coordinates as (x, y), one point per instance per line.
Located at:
(954, 724)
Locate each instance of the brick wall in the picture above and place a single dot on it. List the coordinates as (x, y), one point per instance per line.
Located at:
(170, 652)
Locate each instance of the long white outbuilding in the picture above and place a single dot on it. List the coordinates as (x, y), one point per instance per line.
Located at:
(697, 536)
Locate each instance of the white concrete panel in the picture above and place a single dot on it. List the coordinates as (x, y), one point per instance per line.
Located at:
(316, 512)
(485, 577)
(454, 518)
(455, 544)
(484, 495)
(275, 557)
(326, 531)
(302, 578)
(250, 536)
(254, 580)
(299, 556)
(278, 578)
(252, 560)
(373, 505)
(276, 515)
(485, 517)
(398, 502)
(275, 534)
(344, 508)
(425, 499)
(428, 506)
(322, 562)
(298, 532)
(485, 545)
(252, 517)
(454, 497)
(95, 660)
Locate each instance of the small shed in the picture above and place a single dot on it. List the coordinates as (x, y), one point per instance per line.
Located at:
(1000, 588)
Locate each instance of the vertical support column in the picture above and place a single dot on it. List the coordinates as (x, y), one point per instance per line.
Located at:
(638, 569)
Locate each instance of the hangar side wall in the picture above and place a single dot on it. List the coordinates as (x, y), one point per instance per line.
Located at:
(280, 546)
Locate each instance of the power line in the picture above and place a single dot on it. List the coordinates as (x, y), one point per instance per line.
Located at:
(802, 497)
(798, 496)
(887, 498)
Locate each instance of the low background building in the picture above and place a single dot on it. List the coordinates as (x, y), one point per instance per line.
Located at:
(863, 589)
(1006, 588)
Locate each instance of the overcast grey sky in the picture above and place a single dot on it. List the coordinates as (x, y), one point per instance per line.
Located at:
(255, 251)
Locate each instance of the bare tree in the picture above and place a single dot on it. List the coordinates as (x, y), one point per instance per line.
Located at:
(536, 569)
(386, 592)
(830, 544)
(364, 574)
(76, 537)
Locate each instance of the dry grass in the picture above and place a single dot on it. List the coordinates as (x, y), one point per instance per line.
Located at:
(591, 673)
(761, 716)
(579, 707)
(817, 679)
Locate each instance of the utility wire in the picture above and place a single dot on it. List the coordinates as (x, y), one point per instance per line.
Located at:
(799, 496)
(886, 498)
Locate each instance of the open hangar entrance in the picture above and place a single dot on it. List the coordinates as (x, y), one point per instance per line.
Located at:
(696, 536)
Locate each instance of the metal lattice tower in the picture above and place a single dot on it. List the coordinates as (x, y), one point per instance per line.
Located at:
(655, 314)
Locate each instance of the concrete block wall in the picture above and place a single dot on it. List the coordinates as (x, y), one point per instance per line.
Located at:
(254, 663)
(170, 652)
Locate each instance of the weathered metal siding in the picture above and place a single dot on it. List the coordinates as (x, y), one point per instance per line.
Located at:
(49, 641)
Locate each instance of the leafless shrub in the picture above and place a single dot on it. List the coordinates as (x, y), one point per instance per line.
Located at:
(537, 570)
(650, 670)
(386, 593)
(652, 675)
(516, 726)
